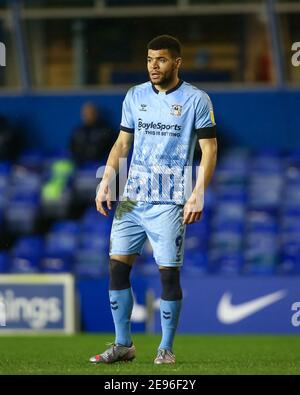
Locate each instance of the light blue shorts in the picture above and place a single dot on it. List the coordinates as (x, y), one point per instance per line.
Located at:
(134, 222)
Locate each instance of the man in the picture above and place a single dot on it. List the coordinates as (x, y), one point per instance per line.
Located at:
(92, 140)
(165, 117)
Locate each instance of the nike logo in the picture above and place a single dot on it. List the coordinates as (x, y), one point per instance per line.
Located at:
(227, 313)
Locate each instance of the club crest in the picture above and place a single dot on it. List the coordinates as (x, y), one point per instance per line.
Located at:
(176, 110)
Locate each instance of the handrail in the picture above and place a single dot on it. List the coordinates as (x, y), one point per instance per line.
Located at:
(126, 12)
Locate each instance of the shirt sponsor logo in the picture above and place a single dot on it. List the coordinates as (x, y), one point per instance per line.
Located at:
(157, 126)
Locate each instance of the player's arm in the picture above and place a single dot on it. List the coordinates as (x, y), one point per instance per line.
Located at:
(119, 150)
(194, 206)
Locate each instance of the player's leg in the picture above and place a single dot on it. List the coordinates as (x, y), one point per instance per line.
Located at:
(120, 296)
(121, 304)
(166, 234)
(170, 307)
(126, 241)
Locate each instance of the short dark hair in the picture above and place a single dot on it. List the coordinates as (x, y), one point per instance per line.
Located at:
(166, 42)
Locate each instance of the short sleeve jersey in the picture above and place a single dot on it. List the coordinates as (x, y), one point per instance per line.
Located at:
(166, 126)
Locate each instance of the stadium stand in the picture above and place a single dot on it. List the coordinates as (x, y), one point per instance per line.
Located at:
(250, 224)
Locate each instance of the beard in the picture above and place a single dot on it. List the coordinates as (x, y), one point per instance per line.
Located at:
(164, 80)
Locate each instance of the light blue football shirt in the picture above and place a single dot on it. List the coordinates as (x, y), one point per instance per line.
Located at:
(166, 126)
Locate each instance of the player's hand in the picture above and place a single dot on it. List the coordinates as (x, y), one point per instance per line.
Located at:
(192, 210)
(103, 195)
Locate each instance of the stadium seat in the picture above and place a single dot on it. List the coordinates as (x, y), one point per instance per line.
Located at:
(53, 262)
(26, 254)
(21, 214)
(261, 252)
(4, 262)
(31, 160)
(228, 263)
(195, 262)
(66, 226)
(91, 262)
(85, 182)
(250, 224)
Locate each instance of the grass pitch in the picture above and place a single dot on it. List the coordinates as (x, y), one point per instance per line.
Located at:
(196, 354)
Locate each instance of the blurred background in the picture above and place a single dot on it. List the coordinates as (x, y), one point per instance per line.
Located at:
(68, 65)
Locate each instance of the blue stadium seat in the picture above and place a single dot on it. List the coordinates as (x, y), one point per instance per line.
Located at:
(85, 182)
(25, 179)
(66, 226)
(29, 245)
(261, 252)
(232, 170)
(195, 262)
(97, 241)
(291, 196)
(25, 265)
(290, 243)
(21, 214)
(92, 221)
(290, 260)
(4, 262)
(61, 242)
(26, 254)
(250, 224)
(229, 194)
(54, 262)
(5, 168)
(3, 199)
(196, 242)
(60, 246)
(31, 160)
(268, 163)
(261, 221)
(265, 192)
(58, 205)
(90, 262)
(227, 263)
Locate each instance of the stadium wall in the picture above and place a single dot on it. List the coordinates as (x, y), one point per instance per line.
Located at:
(212, 304)
(255, 119)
